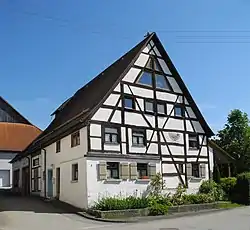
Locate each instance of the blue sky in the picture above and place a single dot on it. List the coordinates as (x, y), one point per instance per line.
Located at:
(49, 49)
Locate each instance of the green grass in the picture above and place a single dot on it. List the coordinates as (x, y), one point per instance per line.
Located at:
(229, 205)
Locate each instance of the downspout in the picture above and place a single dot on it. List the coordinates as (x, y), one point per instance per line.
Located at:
(44, 174)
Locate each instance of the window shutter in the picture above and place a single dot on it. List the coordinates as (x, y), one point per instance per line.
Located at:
(124, 171)
(102, 170)
(133, 171)
(202, 170)
(189, 169)
(152, 170)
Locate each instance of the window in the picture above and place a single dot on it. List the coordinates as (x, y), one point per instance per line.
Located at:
(36, 179)
(75, 172)
(111, 135)
(138, 137)
(161, 82)
(195, 170)
(178, 111)
(149, 106)
(58, 146)
(36, 162)
(75, 139)
(112, 170)
(129, 102)
(181, 169)
(193, 141)
(161, 108)
(142, 170)
(145, 78)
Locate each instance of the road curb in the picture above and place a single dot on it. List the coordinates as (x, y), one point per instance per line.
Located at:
(152, 218)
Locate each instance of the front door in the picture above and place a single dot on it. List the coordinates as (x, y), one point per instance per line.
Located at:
(58, 183)
(50, 183)
(25, 181)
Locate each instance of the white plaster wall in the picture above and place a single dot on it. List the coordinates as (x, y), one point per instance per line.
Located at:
(142, 60)
(175, 124)
(100, 188)
(74, 193)
(131, 75)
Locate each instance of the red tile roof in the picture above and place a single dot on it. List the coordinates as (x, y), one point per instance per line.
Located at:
(16, 137)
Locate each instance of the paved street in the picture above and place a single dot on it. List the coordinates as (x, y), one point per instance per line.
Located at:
(20, 213)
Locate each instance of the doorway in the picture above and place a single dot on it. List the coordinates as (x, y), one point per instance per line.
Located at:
(50, 183)
(58, 183)
(25, 181)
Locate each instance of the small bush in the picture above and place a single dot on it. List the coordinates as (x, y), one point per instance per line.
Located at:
(199, 198)
(212, 188)
(228, 185)
(120, 203)
(244, 175)
(157, 184)
(156, 209)
(177, 197)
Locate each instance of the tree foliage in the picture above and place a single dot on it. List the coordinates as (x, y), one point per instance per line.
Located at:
(235, 139)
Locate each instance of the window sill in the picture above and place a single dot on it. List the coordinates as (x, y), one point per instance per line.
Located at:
(143, 180)
(74, 181)
(161, 114)
(149, 113)
(193, 149)
(129, 109)
(139, 146)
(195, 179)
(111, 143)
(74, 146)
(113, 180)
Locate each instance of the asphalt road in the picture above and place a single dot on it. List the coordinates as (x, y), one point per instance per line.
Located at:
(22, 213)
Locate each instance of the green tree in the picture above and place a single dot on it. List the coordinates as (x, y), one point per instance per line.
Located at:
(235, 139)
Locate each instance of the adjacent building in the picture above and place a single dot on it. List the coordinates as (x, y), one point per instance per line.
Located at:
(135, 119)
(16, 132)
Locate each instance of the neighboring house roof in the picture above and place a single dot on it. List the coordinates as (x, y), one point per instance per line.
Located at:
(220, 155)
(16, 137)
(10, 110)
(85, 102)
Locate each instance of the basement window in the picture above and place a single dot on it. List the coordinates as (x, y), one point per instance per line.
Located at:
(112, 170)
(142, 170)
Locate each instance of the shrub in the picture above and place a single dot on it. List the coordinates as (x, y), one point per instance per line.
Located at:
(212, 188)
(177, 197)
(199, 198)
(228, 185)
(120, 203)
(244, 175)
(241, 191)
(157, 184)
(157, 209)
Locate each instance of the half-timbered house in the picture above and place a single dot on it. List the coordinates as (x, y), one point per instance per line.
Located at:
(135, 119)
